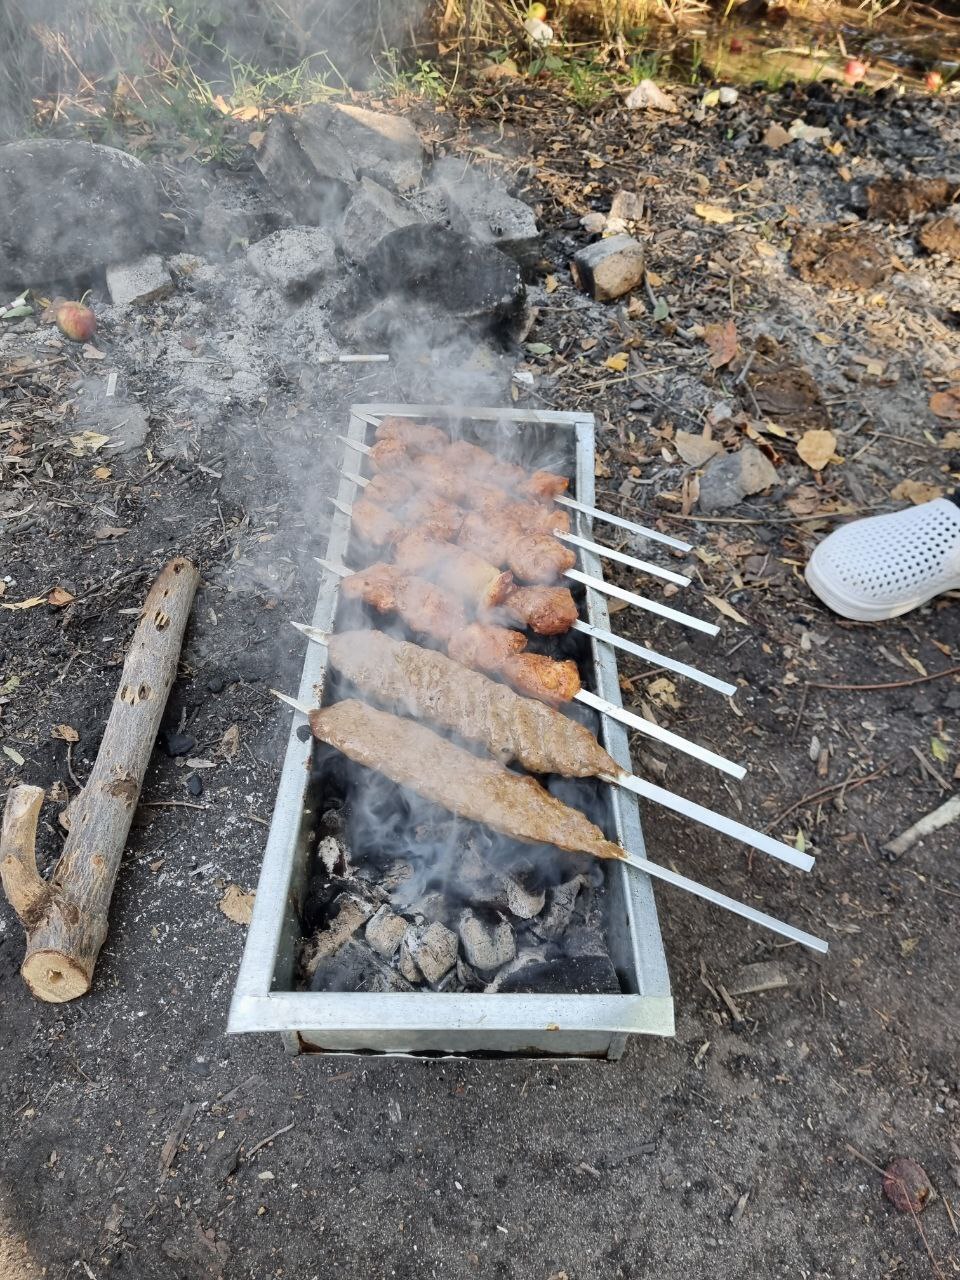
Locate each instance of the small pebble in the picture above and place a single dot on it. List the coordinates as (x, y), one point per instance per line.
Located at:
(195, 784)
(178, 744)
(217, 684)
(728, 96)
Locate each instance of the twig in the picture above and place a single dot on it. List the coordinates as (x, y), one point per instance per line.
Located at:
(890, 684)
(937, 1270)
(942, 816)
(800, 711)
(848, 784)
(263, 1141)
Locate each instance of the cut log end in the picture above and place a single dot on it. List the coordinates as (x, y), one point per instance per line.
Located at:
(55, 977)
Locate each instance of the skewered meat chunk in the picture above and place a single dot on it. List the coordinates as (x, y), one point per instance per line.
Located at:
(544, 486)
(426, 609)
(417, 437)
(391, 488)
(453, 567)
(389, 455)
(428, 511)
(471, 786)
(460, 467)
(541, 677)
(485, 648)
(549, 611)
(430, 686)
(531, 557)
(375, 524)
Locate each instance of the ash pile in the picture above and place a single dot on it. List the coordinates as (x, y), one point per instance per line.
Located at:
(403, 898)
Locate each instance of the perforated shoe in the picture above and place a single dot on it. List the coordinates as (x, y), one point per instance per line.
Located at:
(883, 566)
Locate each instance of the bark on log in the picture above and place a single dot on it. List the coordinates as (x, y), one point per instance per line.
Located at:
(66, 917)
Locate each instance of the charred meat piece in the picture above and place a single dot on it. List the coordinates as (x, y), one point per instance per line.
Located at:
(485, 648)
(426, 609)
(541, 677)
(459, 570)
(549, 611)
(470, 786)
(427, 685)
(417, 437)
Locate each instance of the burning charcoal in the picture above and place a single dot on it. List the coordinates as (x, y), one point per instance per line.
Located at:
(585, 940)
(331, 822)
(395, 874)
(331, 856)
(562, 903)
(521, 901)
(572, 975)
(467, 977)
(321, 892)
(430, 906)
(526, 959)
(351, 912)
(433, 950)
(482, 884)
(408, 966)
(354, 968)
(384, 932)
(486, 948)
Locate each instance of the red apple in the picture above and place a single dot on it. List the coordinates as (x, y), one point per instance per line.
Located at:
(934, 81)
(854, 71)
(76, 322)
(736, 46)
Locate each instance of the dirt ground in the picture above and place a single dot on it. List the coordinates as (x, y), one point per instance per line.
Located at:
(731, 1148)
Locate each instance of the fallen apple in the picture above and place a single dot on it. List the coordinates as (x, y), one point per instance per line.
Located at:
(736, 46)
(854, 71)
(934, 81)
(538, 11)
(75, 321)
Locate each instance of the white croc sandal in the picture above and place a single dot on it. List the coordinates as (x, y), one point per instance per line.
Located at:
(884, 566)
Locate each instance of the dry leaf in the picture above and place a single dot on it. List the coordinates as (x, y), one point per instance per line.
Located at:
(917, 665)
(230, 742)
(906, 1185)
(950, 440)
(237, 904)
(946, 404)
(65, 732)
(776, 137)
(550, 284)
(648, 95)
(89, 442)
(665, 692)
(939, 750)
(618, 362)
(714, 213)
(916, 491)
(727, 610)
(103, 473)
(827, 340)
(816, 448)
(108, 531)
(722, 341)
(15, 756)
(59, 597)
(696, 450)
(26, 604)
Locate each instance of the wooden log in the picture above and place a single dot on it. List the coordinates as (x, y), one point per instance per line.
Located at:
(66, 917)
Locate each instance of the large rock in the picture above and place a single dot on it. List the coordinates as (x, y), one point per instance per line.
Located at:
(372, 213)
(294, 260)
(69, 208)
(734, 476)
(486, 210)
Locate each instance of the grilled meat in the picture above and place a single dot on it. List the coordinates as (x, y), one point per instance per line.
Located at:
(375, 524)
(549, 611)
(471, 786)
(428, 685)
(453, 567)
(541, 677)
(531, 557)
(485, 648)
(415, 436)
(424, 608)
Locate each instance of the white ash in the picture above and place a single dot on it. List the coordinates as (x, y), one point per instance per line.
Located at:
(331, 855)
(433, 950)
(384, 932)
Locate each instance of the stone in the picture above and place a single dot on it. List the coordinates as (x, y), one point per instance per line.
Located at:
(486, 211)
(433, 950)
(134, 284)
(372, 213)
(648, 96)
(384, 932)
(311, 197)
(610, 268)
(486, 947)
(728, 96)
(235, 218)
(70, 208)
(730, 478)
(343, 142)
(629, 206)
(295, 259)
(594, 224)
(351, 913)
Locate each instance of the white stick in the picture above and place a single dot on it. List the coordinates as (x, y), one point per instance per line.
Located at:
(575, 540)
(595, 512)
(942, 816)
(347, 358)
(658, 659)
(642, 602)
(659, 795)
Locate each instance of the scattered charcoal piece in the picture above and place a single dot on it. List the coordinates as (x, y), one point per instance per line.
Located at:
(486, 948)
(331, 856)
(216, 684)
(178, 744)
(467, 977)
(331, 822)
(351, 913)
(609, 268)
(385, 931)
(429, 907)
(195, 784)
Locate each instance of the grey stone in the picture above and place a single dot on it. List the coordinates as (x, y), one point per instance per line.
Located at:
(310, 196)
(372, 213)
(348, 142)
(487, 211)
(609, 268)
(295, 259)
(384, 932)
(727, 480)
(233, 218)
(486, 947)
(134, 284)
(69, 208)
(628, 206)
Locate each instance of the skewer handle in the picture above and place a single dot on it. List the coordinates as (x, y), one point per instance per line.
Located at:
(608, 518)
(661, 735)
(708, 818)
(355, 444)
(608, 553)
(729, 904)
(658, 659)
(641, 602)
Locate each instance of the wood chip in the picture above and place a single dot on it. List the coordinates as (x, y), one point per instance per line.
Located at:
(237, 904)
(751, 979)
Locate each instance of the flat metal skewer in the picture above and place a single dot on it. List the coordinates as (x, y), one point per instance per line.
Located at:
(658, 659)
(574, 540)
(654, 870)
(609, 589)
(644, 532)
